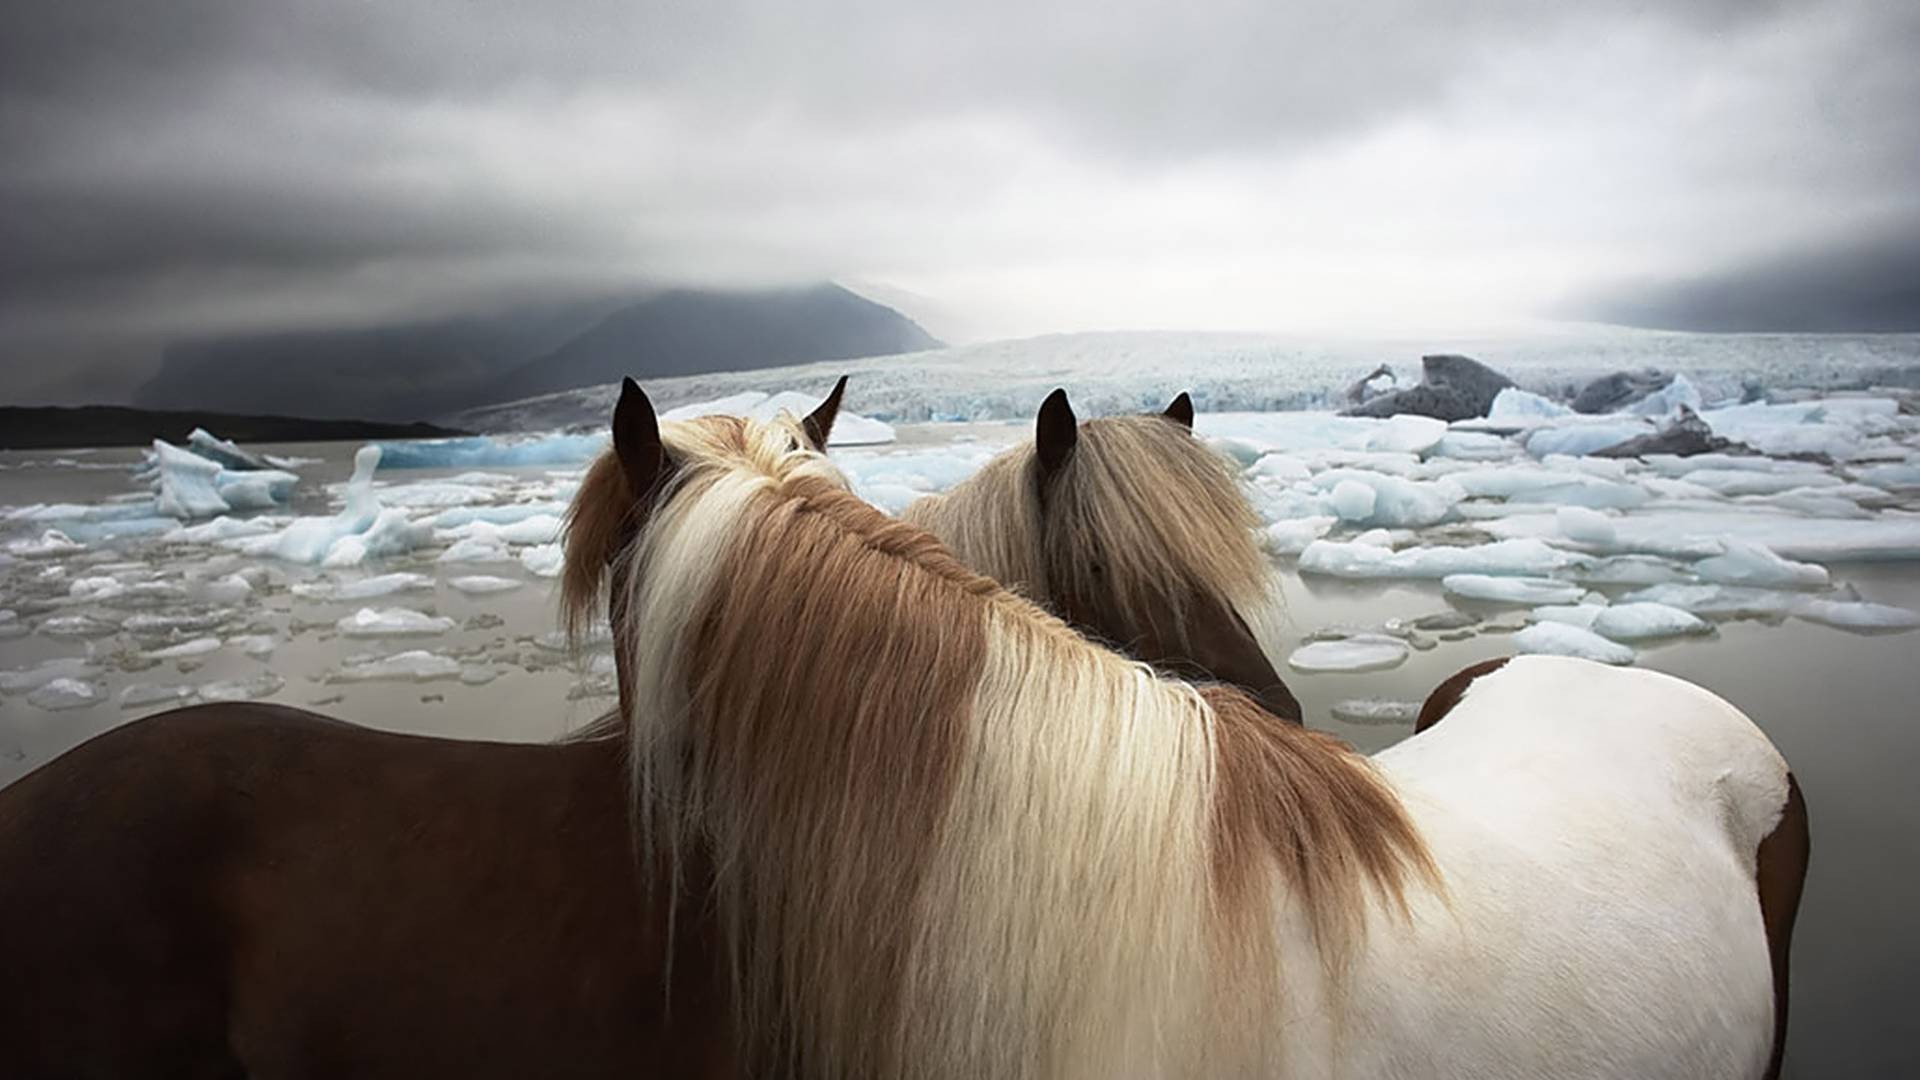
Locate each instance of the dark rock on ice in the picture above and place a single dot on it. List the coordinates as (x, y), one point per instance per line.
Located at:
(1452, 388)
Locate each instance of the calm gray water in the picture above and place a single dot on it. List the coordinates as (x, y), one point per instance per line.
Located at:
(1843, 707)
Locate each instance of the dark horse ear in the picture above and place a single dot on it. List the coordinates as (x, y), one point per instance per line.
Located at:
(1055, 433)
(1181, 411)
(636, 440)
(819, 422)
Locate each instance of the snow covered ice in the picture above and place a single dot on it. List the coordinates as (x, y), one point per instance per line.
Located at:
(1563, 639)
(1362, 652)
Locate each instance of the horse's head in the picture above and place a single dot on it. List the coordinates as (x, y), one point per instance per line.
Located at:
(1148, 543)
(635, 478)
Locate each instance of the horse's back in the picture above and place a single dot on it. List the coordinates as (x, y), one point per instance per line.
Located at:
(247, 889)
(115, 949)
(1597, 830)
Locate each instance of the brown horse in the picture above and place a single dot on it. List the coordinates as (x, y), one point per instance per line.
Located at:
(1132, 530)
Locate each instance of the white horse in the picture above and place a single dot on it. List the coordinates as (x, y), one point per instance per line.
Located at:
(948, 837)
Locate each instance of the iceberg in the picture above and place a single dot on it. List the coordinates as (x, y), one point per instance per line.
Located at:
(265, 684)
(186, 483)
(1351, 560)
(1512, 590)
(140, 695)
(21, 680)
(1634, 622)
(477, 549)
(483, 584)
(1562, 639)
(1376, 711)
(1752, 564)
(223, 453)
(1521, 407)
(1717, 601)
(392, 622)
(194, 647)
(51, 544)
(1857, 614)
(364, 589)
(1291, 536)
(546, 560)
(1668, 399)
(1394, 502)
(1584, 437)
(1580, 615)
(61, 694)
(1362, 652)
(415, 665)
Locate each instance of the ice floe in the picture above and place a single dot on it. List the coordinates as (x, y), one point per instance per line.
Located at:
(1512, 590)
(483, 584)
(1564, 639)
(1746, 563)
(1361, 652)
(414, 665)
(393, 622)
(65, 693)
(1353, 560)
(1638, 621)
(1375, 711)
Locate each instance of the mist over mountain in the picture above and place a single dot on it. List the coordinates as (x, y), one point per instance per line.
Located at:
(431, 368)
(689, 332)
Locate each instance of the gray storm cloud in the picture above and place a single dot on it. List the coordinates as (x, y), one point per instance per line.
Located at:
(169, 170)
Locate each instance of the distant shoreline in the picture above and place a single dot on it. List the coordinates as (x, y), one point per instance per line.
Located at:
(55, 427)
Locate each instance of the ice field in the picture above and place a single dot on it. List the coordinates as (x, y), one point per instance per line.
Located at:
(212, 551)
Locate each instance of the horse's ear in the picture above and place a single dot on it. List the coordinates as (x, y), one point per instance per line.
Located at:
(636, 440)
(1055, 433)
(819, 422)
(1181, 411)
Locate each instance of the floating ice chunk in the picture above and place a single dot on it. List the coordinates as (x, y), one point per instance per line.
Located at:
(265, 684)
(21, 680)
(186, 483)
(1580, 615)
(1892, 477)
(484, 451)
(1584, 438)
(495, 515)
(1561, 639)
(195, 647)
(1752, 564)
(1514, 405)
(140, 695)
(1631, 570)
(1362, 652)
(1747, 482)
(477, 549)
(164, 624)
(1717, 601)
(77, 626)
(1380, 538)
(1376, 711)
(1352, 500)
(1584, 525)
(546, 560)
(91, 589)
(365, 588)
(1473, 446)
(1291, 536)
(1858, 614)
(414, 665)
(1545, 485)
(218, 450)
(435, 494)
(390, 534)
(1522, 556)
(393, 622)
(1396, 502)
(222, 528)
(1668, 399)
(254, 490)
(60, 694)
(1282, 467)
(231, 589)
(310, 539)
(477, 674)
(51, 543)
(1634, 622)
(1512, 590)
(483, 584)
(255, 645)
(538, 529)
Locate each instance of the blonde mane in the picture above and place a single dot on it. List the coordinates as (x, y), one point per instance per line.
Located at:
(950, 837)
(1142, 513)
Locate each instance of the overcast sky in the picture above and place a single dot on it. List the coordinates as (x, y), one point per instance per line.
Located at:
(1353, 166)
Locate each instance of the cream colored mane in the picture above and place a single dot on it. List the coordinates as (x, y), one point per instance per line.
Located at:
(951, 838)
(1140, 509)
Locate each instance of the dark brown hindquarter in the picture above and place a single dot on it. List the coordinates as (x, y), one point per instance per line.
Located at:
(1781, 872)
(1448, 694)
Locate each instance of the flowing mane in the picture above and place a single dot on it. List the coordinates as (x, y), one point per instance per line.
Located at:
(1141, 508)
(950, 837)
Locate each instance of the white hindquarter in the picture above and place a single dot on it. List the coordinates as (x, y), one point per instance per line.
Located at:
(1596, 828)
